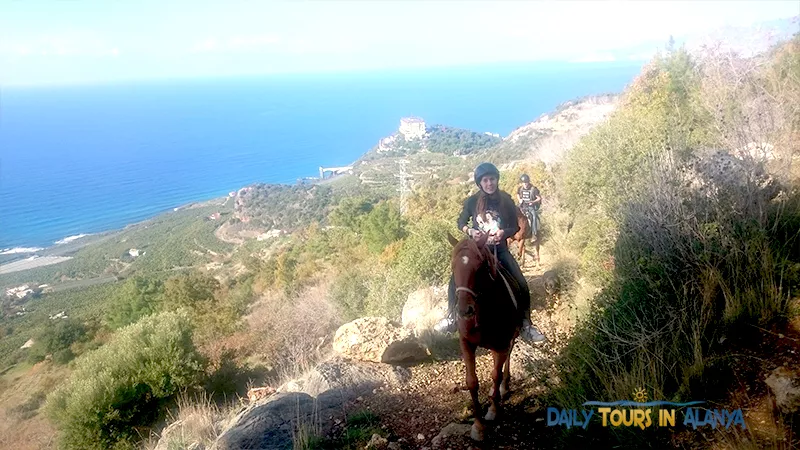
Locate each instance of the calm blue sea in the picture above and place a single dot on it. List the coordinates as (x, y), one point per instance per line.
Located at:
(93, 158)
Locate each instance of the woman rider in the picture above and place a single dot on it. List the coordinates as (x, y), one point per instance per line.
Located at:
(494, 212)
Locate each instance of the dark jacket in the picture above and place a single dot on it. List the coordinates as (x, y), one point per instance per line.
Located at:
(503, 204)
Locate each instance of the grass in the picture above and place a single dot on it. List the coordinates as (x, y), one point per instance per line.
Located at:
(194, 421)
(358, 429)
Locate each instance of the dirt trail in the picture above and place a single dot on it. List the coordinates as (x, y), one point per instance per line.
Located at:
(415, 412)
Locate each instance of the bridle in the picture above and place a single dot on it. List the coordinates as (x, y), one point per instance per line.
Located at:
(467, 290)
(496, 262)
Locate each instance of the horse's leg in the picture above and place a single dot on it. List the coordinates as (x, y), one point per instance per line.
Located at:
(468, 354)
(537, 248)
(497, 377)
(522, 253)
(506, 372)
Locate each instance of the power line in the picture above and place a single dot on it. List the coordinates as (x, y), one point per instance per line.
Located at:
(404, 188)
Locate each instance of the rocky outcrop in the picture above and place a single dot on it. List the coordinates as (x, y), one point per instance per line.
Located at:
(378, 339)
(272, 424)
(424, 309)
(337, 373)
(315, 400)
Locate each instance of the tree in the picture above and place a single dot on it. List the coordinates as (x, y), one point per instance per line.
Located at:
(382, 226)
(193, 290)
(138, 297)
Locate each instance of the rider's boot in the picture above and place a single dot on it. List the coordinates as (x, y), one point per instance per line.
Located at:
(530, 333)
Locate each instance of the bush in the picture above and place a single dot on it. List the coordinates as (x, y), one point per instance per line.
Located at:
(120, 387)
(689, 269)
(349, 212)
(425, 255)
(138, 297)
(382, 226)
(55, 339)
(349, 292)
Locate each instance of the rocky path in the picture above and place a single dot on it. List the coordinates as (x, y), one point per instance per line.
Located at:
(430, 411)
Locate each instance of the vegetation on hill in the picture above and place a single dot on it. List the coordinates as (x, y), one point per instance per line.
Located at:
(698, 246)
(448, 140)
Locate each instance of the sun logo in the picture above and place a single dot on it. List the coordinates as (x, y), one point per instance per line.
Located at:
(640, 396)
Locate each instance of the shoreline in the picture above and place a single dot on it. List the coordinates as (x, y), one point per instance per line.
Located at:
(25, 250)
(71, 244)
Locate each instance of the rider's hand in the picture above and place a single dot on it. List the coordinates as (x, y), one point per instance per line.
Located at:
(497, 237)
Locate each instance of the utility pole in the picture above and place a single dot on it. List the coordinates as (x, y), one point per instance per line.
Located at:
(404, 189)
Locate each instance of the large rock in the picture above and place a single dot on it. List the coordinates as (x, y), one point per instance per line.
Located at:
(425, 308)
(785, 386)
(378, 339)
(316, 400)
(271, 424)
(351, 377)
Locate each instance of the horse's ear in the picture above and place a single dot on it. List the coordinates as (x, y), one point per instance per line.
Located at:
(453, 241)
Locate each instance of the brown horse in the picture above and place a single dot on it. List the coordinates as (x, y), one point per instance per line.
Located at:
(487, 317)
(523, 234)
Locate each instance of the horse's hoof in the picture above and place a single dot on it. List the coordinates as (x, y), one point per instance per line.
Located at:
(476, 433)
(491, 414)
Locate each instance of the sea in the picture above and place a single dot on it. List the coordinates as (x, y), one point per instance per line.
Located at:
(83, 159)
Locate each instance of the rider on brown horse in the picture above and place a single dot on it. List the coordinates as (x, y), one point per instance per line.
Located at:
(493, 212)
(529, 201)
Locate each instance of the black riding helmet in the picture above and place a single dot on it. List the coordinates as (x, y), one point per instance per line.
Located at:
(525, 178)
(485, 169)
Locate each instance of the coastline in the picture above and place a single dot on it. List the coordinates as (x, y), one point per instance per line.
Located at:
(25, 258)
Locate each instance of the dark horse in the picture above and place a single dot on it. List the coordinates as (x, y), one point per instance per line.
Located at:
(526, 232)
(487, 316)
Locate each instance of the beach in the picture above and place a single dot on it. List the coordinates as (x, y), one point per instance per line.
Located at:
(32, 263)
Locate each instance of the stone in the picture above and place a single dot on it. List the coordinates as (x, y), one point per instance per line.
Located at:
(785, 387)
(337, 373)
(452, 429)
(378, 339)
(377, 442)
(271, 424)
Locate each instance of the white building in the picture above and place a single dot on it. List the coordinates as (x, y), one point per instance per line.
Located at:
(412, 127)
(19, 291)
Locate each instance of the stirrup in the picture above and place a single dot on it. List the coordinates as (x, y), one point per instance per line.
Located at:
(446, 325)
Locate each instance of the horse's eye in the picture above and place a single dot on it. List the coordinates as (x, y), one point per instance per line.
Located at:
(470, 312)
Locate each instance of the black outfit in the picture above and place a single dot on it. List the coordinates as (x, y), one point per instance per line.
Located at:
(502, 214)
(528, 195)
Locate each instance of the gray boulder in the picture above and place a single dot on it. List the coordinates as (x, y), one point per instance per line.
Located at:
(378, 339)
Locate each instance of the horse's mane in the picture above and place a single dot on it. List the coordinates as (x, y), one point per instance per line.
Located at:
(483, 252)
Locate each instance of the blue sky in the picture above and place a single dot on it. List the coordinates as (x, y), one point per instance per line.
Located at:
(83, 41)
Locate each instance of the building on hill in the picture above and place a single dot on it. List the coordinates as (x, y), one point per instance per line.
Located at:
(412, 128)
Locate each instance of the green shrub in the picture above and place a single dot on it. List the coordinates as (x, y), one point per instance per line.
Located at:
(136, 298)
(349, 291)
(382, 226)
(56, 338)
(119, 387)
(689, 270)
(350, 211)
(424, 256)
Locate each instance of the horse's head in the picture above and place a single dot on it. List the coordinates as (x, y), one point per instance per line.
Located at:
(468, 258)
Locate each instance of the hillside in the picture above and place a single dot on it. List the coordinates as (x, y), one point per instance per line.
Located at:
(670, 265)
